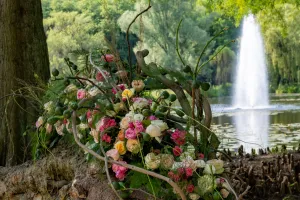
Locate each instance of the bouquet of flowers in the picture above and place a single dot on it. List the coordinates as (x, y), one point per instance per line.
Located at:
(133, 127)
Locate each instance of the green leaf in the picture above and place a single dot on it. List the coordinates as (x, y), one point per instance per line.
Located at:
(156, 184)
(146, 123)
(138, 179)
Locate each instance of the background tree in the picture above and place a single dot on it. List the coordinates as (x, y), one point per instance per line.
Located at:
(23, 58)
(76, 28)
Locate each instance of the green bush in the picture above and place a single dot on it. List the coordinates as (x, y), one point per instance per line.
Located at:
(295, 88)
(220, 90)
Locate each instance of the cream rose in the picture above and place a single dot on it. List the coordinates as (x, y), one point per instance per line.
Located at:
(125, 122)
(194, 196)
(218, 164)
(209, 169)
(153, 131)
(152, 161)
(162, 125)
(133, 146)
(113, 153)
(166, 161)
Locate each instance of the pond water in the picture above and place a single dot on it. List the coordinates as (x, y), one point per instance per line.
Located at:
(264, 127)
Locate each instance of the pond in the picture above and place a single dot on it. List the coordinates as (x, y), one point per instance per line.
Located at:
(274, 125)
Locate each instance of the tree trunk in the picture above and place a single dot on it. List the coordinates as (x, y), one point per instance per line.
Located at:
(23, 57)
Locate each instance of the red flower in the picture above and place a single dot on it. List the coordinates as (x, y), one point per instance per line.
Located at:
(201, 156)
(189, 172)
(108, 58)
(177, 151)
(180, 171)
(190, 188)
(171, 174)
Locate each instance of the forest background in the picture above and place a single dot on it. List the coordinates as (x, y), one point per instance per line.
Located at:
(75, 28)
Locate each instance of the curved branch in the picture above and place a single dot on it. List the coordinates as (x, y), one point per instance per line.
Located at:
(128, 42)
(177, 45)
(138, 169)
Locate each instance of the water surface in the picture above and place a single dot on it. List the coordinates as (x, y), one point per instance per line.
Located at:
(276, 124)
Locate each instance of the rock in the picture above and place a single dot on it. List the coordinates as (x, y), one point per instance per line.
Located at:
(2, 189)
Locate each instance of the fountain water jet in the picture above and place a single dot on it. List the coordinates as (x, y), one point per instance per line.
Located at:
(251, 89)
(251, 84)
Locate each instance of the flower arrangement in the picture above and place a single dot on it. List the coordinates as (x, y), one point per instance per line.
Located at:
(145, 140)
(133, 127)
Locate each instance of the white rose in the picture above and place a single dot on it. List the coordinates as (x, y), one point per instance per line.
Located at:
(162, 125)
(138, 117)
(94, 91)
(82, 126)
(130, 114)
(48, 106)
(139, 103)
(200, 163)
(153, 131)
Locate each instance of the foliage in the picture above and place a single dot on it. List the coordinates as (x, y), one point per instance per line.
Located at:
(159, 28)
(239, 8)
(220, 90)
(76, 28)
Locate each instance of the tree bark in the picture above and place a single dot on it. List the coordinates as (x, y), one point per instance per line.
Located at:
(23, 57)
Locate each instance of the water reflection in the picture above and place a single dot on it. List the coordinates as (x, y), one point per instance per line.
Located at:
(252, 128)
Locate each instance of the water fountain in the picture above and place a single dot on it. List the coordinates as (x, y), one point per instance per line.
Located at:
(251, 84)
(251, 89)
(250, 120)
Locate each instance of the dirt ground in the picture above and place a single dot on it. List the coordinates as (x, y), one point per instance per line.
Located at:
(65, 175)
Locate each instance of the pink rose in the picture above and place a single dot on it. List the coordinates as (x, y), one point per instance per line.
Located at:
(100, 77)
(139, 127)
(105, 123)
(119, 171)
(113, 153)
(120, 175)
(131, 125)
(152, 117)
(106, 138)
(108, 57)
(89, 114)
(177, 151)
(178, 137)
(189, 172)
(130, 133)
(81, 94)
